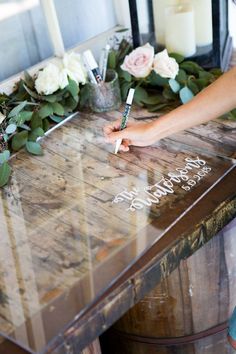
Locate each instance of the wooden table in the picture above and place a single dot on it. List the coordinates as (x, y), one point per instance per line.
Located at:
(85, 234)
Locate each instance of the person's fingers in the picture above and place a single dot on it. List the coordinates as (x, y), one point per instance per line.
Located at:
(115, 126)
(121, 134)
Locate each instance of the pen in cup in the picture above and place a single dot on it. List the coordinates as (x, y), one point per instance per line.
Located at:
(92, 67)
(103, 61)
(125, 116)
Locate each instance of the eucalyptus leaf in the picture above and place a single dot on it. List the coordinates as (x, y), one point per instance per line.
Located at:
(185, 94)
(125, 86)
(152, 100)
(174, 85)
(17, 109)
(34, 148)
(35, 134)
(4, 156)
(58, 108)
(191, 67)
(56, 119)
(11, 128)
(36, 121)
(5, 172)
(206, 75)
(46, 125)
(23, 116)
(50, 98)
(156, 80)
(46, 110)
(169, 94)
(19, 140)
(178, 57)
(25, 127)
(28, 80)
(140, 94)
(32, 93)
(125, 75)
(181, 77)
(73, 88)
(112, 59)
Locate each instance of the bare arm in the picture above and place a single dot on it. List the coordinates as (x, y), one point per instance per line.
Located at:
(212, 102)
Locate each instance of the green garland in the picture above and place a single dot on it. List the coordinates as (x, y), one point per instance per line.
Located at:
(28, 116)
(157, 93)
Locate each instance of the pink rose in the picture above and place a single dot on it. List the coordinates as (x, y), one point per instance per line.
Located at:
(139, 62)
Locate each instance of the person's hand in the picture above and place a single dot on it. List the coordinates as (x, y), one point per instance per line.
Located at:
(136, 133)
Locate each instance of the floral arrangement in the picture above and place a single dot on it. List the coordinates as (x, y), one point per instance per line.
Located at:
(35, 104)
(161, 81)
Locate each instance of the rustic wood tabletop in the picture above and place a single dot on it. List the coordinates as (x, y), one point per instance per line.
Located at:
(85, 233)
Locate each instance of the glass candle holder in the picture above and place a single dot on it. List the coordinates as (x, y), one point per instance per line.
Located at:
(105, 96)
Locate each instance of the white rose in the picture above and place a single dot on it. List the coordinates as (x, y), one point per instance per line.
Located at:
(165, 66)
(48, 80)
(2, 117)
(74, 68)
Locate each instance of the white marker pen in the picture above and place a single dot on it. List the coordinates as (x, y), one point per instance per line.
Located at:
(92, 67)
(125, 117)
(103, 61)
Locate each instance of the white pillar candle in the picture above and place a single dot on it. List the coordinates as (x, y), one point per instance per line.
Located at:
(159, 7)
(203, 21)
(53, 27)
(143, 16)
(180, 30)
(122, 13)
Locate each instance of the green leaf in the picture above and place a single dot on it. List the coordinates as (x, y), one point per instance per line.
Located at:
(23, 116)
(156, 80)
(73, 88)
(46, 125)
(201, 83)
(32, 93)
(11, 128)
(33, 136)
(17, 109)
(178, 57)
(174, 85)
(28, 80)
(36, 121)
(181, 77)
(50, 98)
(58, 108)
(34, 148)
(191, 67)
(125, 86)
(56, 119)
(4, 156)
(185, 94)
(153, 100)
(5, 172)
(24, 126)
(140, 94)
(169, 94)
(19, 140)
(46, 110)
(125, 75)
(112, 59)
(84, 97)
(206, 75)
(71, 103)
(192, 86)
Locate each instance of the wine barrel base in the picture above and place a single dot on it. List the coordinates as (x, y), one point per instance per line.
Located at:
(115, 343)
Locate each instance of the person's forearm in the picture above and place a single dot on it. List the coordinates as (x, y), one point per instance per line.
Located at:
(212, 102)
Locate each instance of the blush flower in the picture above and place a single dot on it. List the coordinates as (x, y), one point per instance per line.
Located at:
(165, 66)
(139, 62)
